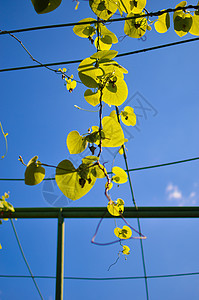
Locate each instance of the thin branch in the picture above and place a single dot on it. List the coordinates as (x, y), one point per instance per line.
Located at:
(38, 62)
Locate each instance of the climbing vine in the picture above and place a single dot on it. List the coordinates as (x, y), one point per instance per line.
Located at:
(104, 80)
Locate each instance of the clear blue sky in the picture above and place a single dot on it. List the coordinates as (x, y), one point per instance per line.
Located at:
(38, 112)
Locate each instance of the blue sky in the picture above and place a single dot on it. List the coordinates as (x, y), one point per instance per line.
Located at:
(38, 112)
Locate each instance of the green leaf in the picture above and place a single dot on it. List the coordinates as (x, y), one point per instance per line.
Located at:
(75, 142)
(106, 39)
(135, 28)
(71, 182)
(88, 73)
(103, 43)
(104, 9)
(99, 171)
(128, 116)
(89, 160)
(163, 23)
(92, 98)
(45, 6)
(115, 93)
(120, 175)
(34, 173)
(114, 136)
(182, 23)
(85, 30)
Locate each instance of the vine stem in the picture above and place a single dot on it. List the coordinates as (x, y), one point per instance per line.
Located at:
(35, 60)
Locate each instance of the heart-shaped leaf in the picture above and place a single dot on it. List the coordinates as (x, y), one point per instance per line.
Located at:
(116, 209)
(135, 28)
(85, 30)
(34, 173)
(163, 23)
(113, 133)
(74, 183)
(128, 116)
(124, 233)
(120, 175)
(75, 142)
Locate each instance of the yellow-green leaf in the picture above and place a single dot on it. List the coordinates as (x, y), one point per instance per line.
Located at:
(75, 142)
(92, 98)
(104, 56)
(104, 9)
(34, 173)
(74, 183)
(116, 208)
(137, 6)
(128, 116)
(124, 233)
(114, 136)
(88, 72)
(115, 93)
(85, 30)
(135, 28)
(126, 250)
(195, 25)
(163, 23)
(120, 175)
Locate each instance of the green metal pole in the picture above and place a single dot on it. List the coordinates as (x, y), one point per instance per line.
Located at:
(60, 258)
(101, 212)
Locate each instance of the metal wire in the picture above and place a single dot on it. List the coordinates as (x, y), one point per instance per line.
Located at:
(119, 55)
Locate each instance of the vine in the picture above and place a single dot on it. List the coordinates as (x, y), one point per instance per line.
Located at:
(104, 79)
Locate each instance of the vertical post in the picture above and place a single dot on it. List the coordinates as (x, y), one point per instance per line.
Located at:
(60, 258)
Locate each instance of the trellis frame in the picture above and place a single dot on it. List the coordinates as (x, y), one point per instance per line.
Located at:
(92, 212)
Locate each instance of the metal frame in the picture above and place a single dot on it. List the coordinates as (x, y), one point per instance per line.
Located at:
(92, 212)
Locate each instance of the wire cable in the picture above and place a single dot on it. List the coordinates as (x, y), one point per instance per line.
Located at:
(148, 14)
(104, 278)
(24, 258)
(130, 170)
(119, 55)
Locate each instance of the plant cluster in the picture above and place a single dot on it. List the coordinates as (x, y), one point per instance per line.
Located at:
(105, 84)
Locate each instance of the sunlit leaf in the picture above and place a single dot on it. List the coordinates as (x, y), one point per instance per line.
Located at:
(116, 208)
(75, 142)
(88, 72)
(195, 25)
(92, 98)
(137, 6)
(74, 183)
(163, 23)
(115, 93)
(104, 9)
(45, 6)
(124, 233)
(135, 28)
(126, 250)
(85, 30)
(128, 116)
(34, 173)
(104, 56)
(120, 175)
(114, 136)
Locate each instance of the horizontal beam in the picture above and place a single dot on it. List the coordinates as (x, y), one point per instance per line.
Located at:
(101, 212)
